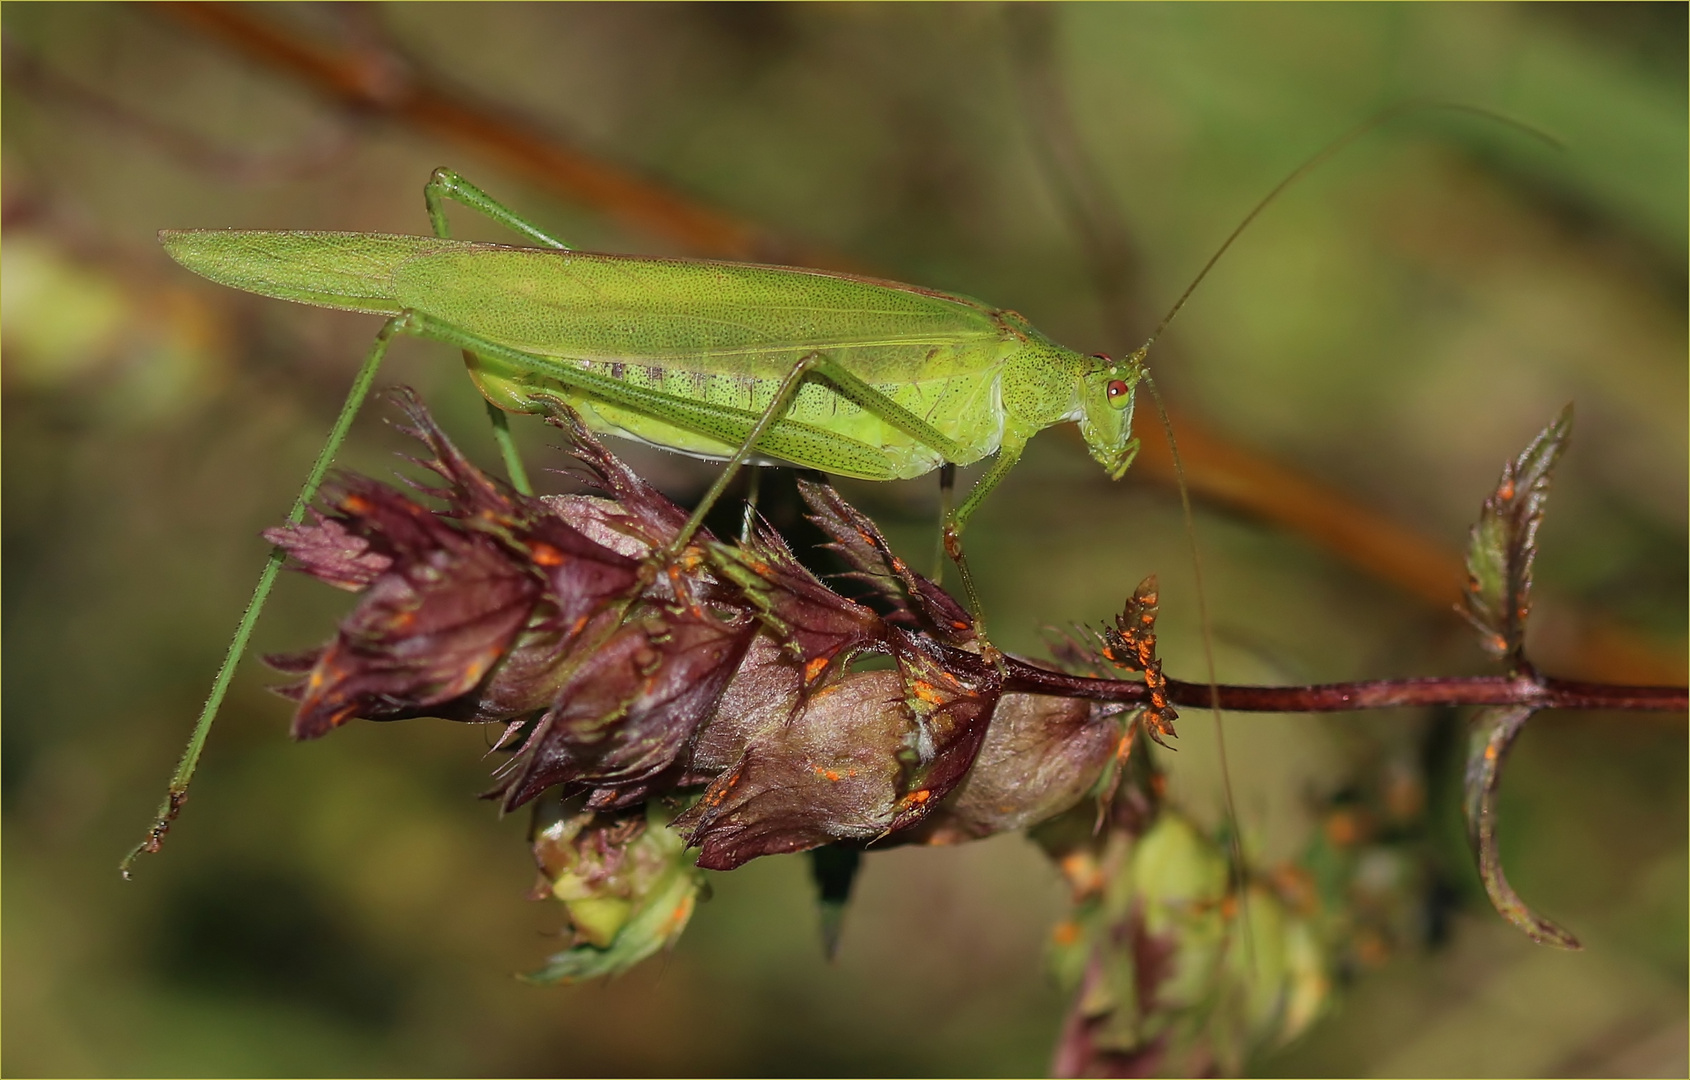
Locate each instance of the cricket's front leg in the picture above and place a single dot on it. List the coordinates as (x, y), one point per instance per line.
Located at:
(445, 184)
(1008, 454)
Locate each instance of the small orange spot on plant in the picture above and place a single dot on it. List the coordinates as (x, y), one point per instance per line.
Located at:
(545, 554)
(1371, 949)
(1082, 872)
(682, 912)
(1344, 828)
(1296, 887)
(925, 691)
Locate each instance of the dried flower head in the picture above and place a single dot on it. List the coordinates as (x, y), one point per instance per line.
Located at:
(711, 700)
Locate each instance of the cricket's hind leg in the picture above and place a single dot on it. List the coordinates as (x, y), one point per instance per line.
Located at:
(445, 184)
(184, 774)
(777, 408)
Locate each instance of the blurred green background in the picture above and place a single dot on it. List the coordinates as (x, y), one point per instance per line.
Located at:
(1396, 326)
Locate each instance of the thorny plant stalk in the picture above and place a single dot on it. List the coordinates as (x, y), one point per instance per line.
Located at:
(666, 714)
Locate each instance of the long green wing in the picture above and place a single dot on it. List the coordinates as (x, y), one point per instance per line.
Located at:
(692, 315)
(696, 334)
(352, 271)
(730, 319)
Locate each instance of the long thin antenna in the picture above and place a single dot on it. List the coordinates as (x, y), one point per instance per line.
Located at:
(1311, 163)
(1234, 827)
(1319, 158)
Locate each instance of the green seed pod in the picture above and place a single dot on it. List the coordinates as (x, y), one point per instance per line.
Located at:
(626, 881)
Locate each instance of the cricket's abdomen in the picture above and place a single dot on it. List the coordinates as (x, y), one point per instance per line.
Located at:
(725, 334)
(822, 429)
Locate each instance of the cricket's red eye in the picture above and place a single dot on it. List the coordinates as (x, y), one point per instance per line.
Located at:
(1119, 393)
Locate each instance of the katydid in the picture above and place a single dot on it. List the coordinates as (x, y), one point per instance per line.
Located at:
(731, 361)
(849, 375)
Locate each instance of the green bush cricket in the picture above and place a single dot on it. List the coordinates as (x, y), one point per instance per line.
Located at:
(730, 361)
(849, 375)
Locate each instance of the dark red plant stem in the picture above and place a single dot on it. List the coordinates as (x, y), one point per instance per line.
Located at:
(1527, 689)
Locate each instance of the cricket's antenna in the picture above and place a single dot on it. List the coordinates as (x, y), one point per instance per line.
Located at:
(1319, 158)
(1207, 630)
(1234, 829)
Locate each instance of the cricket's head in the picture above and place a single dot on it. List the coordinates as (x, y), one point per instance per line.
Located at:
(1106, 403)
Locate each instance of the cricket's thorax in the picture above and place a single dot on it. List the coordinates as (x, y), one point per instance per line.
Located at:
(1042, 384)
